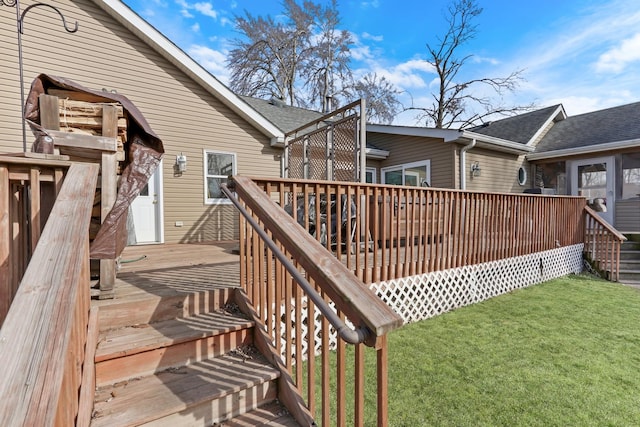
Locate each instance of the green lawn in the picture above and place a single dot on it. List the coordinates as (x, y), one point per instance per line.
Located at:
(563, 353)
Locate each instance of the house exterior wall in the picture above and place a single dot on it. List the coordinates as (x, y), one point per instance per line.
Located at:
(407, 149)
(499, 171)
(104, 54)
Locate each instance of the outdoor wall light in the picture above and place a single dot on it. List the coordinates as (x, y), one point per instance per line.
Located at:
(475, 169)
(181, 163)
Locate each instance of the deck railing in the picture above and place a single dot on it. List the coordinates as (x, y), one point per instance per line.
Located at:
(602, 244)
(294, 321)
(46, 379)
(384, 232)
(28, 188)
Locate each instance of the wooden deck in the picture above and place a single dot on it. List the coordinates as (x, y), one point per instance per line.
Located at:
(167, 308)
(174, 269)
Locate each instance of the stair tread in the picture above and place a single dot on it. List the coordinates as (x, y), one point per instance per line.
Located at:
(135, 339)
(152, 397)
(272, 414)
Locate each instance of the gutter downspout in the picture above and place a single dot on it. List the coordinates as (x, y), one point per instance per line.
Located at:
(463, 160)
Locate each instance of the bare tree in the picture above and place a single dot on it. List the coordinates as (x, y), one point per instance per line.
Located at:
(269, 61)
(455, 103)
(304, 61)
(382, 98)
(327, 72)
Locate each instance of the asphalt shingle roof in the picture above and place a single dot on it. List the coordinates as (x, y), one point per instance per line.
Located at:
(284, 117)
(520, 128)
(599, 127)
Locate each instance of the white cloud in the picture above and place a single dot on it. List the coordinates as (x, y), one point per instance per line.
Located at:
(186, 13)
(206, 9)
(195, 28)
(406, 76)
(615, 60)
(373, 3)
(368, 36)
(360, 53)
(481, 59)
(212, 60)
(415, 65)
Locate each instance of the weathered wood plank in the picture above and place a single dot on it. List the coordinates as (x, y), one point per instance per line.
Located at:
(158, 359)
(35, 207)
(71, 107)
(73, 140)
(109, 191)
(88, 387)
(49, 113)
(82, 122)
(175, 391)
(77, 96)
(33, 368)
(6, 294)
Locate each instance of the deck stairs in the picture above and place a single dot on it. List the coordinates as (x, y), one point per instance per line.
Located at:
(630, 261)
(183, 360)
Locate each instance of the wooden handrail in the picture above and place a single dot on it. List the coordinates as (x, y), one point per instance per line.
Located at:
(602, 244)
(42, 340)
(352, 336)
(604, 224)
(350, 294)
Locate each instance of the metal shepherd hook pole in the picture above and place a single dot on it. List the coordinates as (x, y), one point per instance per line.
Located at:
(20, 22)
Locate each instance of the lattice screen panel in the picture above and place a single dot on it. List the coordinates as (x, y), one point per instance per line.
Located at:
(345, 153)
(317, 152)
(421, 297)
(424, 296)
(296, 158)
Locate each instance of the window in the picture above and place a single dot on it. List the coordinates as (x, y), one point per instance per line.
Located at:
(370, 174)
(630, 175)
(417, 174)
(217, 168)
(522, 176)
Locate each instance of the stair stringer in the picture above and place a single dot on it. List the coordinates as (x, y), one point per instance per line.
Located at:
(288, 393)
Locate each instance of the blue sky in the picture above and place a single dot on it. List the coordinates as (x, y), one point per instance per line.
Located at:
(584, 54)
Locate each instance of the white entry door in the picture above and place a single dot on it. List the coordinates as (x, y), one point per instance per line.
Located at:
(594, 179)
(146, 211)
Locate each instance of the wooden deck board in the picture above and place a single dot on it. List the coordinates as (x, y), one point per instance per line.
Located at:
(130, 340)
(178, 389)
(270, 415)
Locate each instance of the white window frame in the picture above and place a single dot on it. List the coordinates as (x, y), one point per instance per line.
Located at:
(403, 167)
(374, 175)
(206, 153)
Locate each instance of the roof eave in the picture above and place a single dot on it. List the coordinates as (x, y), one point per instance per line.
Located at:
(447, 135)
(570, 152)
(185, 63)
(376, 154)
(497, 144)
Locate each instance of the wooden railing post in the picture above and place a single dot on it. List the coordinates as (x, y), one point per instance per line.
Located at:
(6, 294)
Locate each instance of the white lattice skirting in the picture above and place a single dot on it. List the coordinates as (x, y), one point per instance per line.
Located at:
(427, 295)
(423, 296)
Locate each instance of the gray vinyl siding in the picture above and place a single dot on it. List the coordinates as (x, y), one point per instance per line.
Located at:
(407, 149)
(104, 54)
(499, 171)
(627, 214)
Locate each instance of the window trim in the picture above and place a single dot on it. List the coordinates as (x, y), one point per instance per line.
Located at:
(403, 166)
(234, 165)
(522, 176)
(374, 174)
